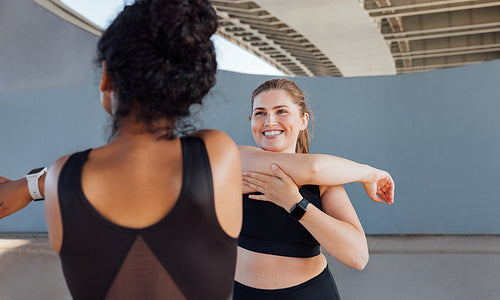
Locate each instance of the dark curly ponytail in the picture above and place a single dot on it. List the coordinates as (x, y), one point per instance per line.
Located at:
(161, 60)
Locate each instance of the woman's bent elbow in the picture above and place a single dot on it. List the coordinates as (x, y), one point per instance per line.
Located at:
(361, 262)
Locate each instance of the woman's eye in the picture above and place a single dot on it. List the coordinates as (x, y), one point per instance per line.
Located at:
(282, 111)
(259, 113)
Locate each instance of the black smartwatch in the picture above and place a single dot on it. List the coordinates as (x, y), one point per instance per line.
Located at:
(299, 209)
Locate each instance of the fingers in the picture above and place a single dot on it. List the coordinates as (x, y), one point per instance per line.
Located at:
(258, 197)
(389, 189)
(381, 189)
(385, 188)
(252, 184)
(371, 191)
(255, 176)
(377, 198)
(3, 179)
(278, 172)
(257, 180)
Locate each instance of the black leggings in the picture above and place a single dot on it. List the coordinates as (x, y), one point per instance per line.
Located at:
(321, 287)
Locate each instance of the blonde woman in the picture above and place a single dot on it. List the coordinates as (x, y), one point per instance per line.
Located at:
(294, 202)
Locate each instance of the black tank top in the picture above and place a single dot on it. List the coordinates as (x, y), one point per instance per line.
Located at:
(268, 228)
(186, 255)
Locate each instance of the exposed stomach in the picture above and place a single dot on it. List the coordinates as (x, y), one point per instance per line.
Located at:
(267, 271)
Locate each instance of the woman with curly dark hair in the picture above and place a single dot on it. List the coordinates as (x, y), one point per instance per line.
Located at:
(155, 213)
(151, 214)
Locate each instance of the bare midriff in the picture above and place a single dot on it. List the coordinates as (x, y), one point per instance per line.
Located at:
(266, 271)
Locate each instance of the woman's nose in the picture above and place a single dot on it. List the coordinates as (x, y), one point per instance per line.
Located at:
(270, 120)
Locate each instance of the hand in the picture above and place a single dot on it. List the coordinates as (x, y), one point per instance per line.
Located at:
(379, 186)
(245, 189)
(279, 189)
(14, 196)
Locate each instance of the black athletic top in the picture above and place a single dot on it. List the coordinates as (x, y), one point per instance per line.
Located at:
(268, 228)
(186, 255)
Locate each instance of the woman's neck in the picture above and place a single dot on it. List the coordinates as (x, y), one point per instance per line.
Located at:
(132, 129)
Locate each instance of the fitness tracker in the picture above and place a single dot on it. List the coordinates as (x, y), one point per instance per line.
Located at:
(299, 209)
(32, 178)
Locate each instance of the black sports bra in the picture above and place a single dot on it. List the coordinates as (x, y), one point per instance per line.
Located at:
(268, 228)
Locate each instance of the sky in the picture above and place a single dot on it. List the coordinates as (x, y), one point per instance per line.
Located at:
(229, 56)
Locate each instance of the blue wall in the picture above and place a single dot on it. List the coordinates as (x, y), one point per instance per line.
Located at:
(437, 132)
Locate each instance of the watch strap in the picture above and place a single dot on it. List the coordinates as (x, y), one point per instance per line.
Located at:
(33, 186)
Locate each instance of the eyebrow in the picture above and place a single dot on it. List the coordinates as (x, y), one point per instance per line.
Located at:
(275, 107)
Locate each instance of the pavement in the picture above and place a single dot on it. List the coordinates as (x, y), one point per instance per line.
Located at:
(29, 269)
(401, 268)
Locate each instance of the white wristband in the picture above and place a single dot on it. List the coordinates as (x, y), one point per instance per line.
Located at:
(32, 178)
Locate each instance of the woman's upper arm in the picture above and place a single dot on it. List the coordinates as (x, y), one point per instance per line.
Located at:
(226, 173)
(300, 167)
(52, 210)
(336, 203)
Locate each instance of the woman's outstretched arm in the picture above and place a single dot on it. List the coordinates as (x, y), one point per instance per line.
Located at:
(320, 169)
(14, 194)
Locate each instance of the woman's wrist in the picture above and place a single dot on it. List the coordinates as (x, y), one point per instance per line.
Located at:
(369, 174)
(21, 186)
(292, 201)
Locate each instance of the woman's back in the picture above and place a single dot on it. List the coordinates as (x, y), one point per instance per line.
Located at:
(127, 177)
(138, 218)
(144, 217)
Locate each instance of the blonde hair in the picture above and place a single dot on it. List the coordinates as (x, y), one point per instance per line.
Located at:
(297, 97)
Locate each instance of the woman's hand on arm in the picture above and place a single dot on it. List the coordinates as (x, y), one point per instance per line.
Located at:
(279, 188)
(14, 195)
(337, 229)
(320, 169)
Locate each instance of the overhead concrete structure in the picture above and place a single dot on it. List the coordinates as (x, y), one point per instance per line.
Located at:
(341, 29)
(426, 35)
(370, 37)
(324, 38)
(352, 37)
(66, 13)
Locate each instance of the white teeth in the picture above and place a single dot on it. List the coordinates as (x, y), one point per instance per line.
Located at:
(272, 133)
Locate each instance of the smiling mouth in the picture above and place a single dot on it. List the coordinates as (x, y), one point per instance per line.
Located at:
(272, 133)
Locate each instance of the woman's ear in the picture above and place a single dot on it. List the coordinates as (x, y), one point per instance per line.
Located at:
(105, 79)
(305, 121)
(106, 90)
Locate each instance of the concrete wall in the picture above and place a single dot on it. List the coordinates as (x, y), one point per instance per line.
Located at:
(49, 102)
(436, 132)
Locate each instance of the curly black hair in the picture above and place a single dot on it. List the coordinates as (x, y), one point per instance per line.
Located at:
(161, 60)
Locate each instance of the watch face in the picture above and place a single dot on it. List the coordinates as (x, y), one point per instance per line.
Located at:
(34, 171)
(298, 211)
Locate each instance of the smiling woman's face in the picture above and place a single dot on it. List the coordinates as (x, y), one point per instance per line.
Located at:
(276, 121)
